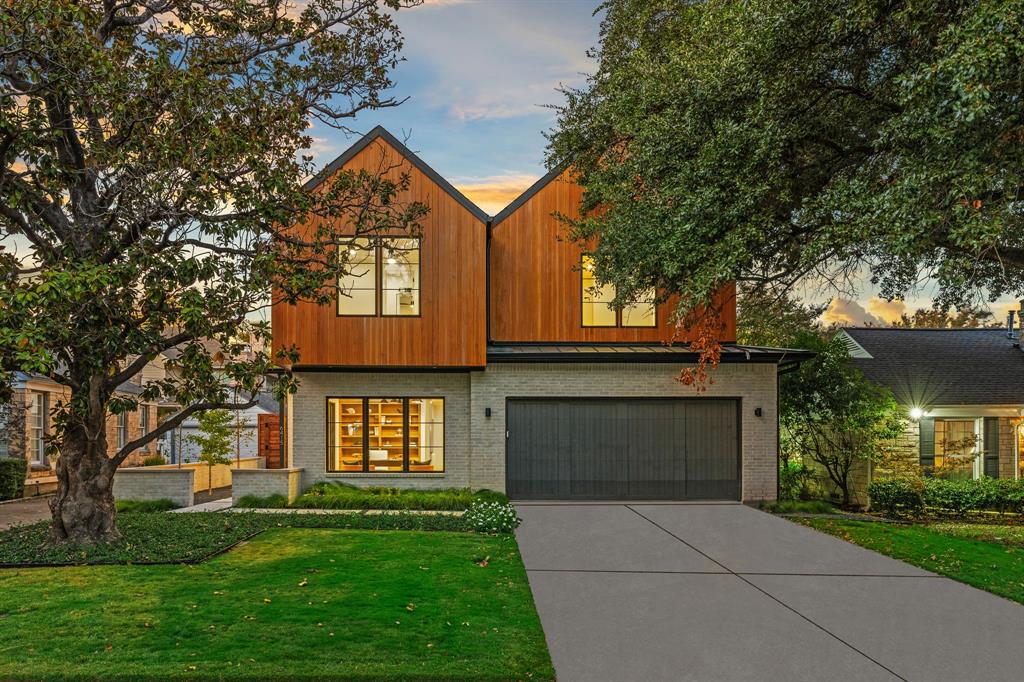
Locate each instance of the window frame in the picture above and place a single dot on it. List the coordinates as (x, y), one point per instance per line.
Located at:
(122, 430)
(365, 400)
(618, 311)
(39, 427)
(144, 420)
(377, 247)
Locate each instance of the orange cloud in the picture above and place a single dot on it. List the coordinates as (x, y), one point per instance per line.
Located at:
(844, 313)
(495, 192)
(889, 311)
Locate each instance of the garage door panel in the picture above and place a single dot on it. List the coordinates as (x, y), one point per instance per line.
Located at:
(655, 472)
(711, 458)
(622, 449)
(597, 450)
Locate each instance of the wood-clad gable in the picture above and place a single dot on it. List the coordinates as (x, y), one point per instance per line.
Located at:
(450, 330)
(535, 279)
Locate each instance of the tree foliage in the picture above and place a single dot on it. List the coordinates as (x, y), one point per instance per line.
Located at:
(936, 318)
(768, 141)
(213, 439)
(152, 154)
(766, 317)
(832, 415)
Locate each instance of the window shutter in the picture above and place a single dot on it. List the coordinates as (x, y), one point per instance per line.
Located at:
(927, 456)
(990, 443)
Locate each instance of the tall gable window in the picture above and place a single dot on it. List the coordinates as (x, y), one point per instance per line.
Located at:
(382, 278)
(598, 310)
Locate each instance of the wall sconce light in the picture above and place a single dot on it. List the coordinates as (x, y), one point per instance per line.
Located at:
(487, 412)
(757, 412)
(916, 413)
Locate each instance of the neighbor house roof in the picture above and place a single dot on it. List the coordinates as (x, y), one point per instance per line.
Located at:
(932, 367)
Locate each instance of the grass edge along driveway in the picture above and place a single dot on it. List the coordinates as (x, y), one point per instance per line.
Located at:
(302, 604)
(991, 566)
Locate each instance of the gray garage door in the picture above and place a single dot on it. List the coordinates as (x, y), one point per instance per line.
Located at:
(623, 449)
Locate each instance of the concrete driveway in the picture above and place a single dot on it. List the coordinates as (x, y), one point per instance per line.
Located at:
(725, 592)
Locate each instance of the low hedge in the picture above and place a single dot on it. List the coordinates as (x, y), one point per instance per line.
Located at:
(345, 496)
(12, 478)
(145, 506)
(951, 497)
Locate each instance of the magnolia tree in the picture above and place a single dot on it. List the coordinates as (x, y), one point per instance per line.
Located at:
(768, 141)
(151, 165)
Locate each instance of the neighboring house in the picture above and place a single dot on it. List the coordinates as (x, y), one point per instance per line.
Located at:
(27, 424)
(962, 390)
(478, 355)
(181, 448)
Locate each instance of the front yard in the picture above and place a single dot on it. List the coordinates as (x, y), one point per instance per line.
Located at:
(291, 603)
(989, 557)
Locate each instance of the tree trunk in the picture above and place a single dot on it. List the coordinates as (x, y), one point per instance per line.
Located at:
(83, 509)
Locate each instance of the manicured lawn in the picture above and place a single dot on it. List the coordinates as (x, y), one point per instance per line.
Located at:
(297, 604)
(960, 551)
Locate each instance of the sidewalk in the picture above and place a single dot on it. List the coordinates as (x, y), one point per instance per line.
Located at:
(19, 512)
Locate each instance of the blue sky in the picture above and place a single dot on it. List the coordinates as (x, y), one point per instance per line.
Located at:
(477, 75)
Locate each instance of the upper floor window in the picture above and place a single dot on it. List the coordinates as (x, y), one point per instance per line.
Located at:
(598, 310)
(382, 278)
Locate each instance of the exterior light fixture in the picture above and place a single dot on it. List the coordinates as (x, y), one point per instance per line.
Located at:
(916, 413)
(391, 261)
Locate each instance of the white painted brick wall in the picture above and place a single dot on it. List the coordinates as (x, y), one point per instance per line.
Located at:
(266, 482)
(475, 444)
(155, 484)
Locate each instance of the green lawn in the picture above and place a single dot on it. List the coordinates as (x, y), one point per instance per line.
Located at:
(965, 552)
(293, 603)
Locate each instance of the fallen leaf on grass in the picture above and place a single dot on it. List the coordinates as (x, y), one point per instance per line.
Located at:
(483, 562)
(303, 582)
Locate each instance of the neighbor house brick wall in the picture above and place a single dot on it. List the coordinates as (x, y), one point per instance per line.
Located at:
(754, 384)
(1007, 456)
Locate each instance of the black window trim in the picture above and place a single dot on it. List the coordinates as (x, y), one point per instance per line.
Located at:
(376, 246)
(618, 311)
(365, 400)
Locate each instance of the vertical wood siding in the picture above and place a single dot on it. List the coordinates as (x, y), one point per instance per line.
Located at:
(451, 328)
(535, 279)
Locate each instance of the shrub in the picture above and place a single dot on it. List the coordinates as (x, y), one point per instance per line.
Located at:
(492, 517)
(897, 495)
(345, 496)
(256, 502)
(795, 481)
(12, 478)
(145, 506)
(154, 461)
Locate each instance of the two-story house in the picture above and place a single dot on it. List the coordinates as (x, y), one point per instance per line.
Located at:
(480, 354)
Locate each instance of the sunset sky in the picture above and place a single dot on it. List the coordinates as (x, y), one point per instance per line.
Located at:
(478, 74)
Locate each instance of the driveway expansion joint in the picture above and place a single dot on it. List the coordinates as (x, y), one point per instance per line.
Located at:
(769, 595)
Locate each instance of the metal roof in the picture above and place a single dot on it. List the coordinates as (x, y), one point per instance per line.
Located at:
(543, 352)
(934, 367)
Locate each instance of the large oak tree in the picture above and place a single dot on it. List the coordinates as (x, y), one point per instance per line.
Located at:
(151, 166)
(771, 141)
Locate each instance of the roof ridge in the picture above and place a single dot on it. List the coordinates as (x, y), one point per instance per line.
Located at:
(382, 132)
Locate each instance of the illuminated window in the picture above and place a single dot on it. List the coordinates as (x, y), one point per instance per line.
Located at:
(956, 447)
(598, 310)
(385, 435)
(382, 277)
(39, 418)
